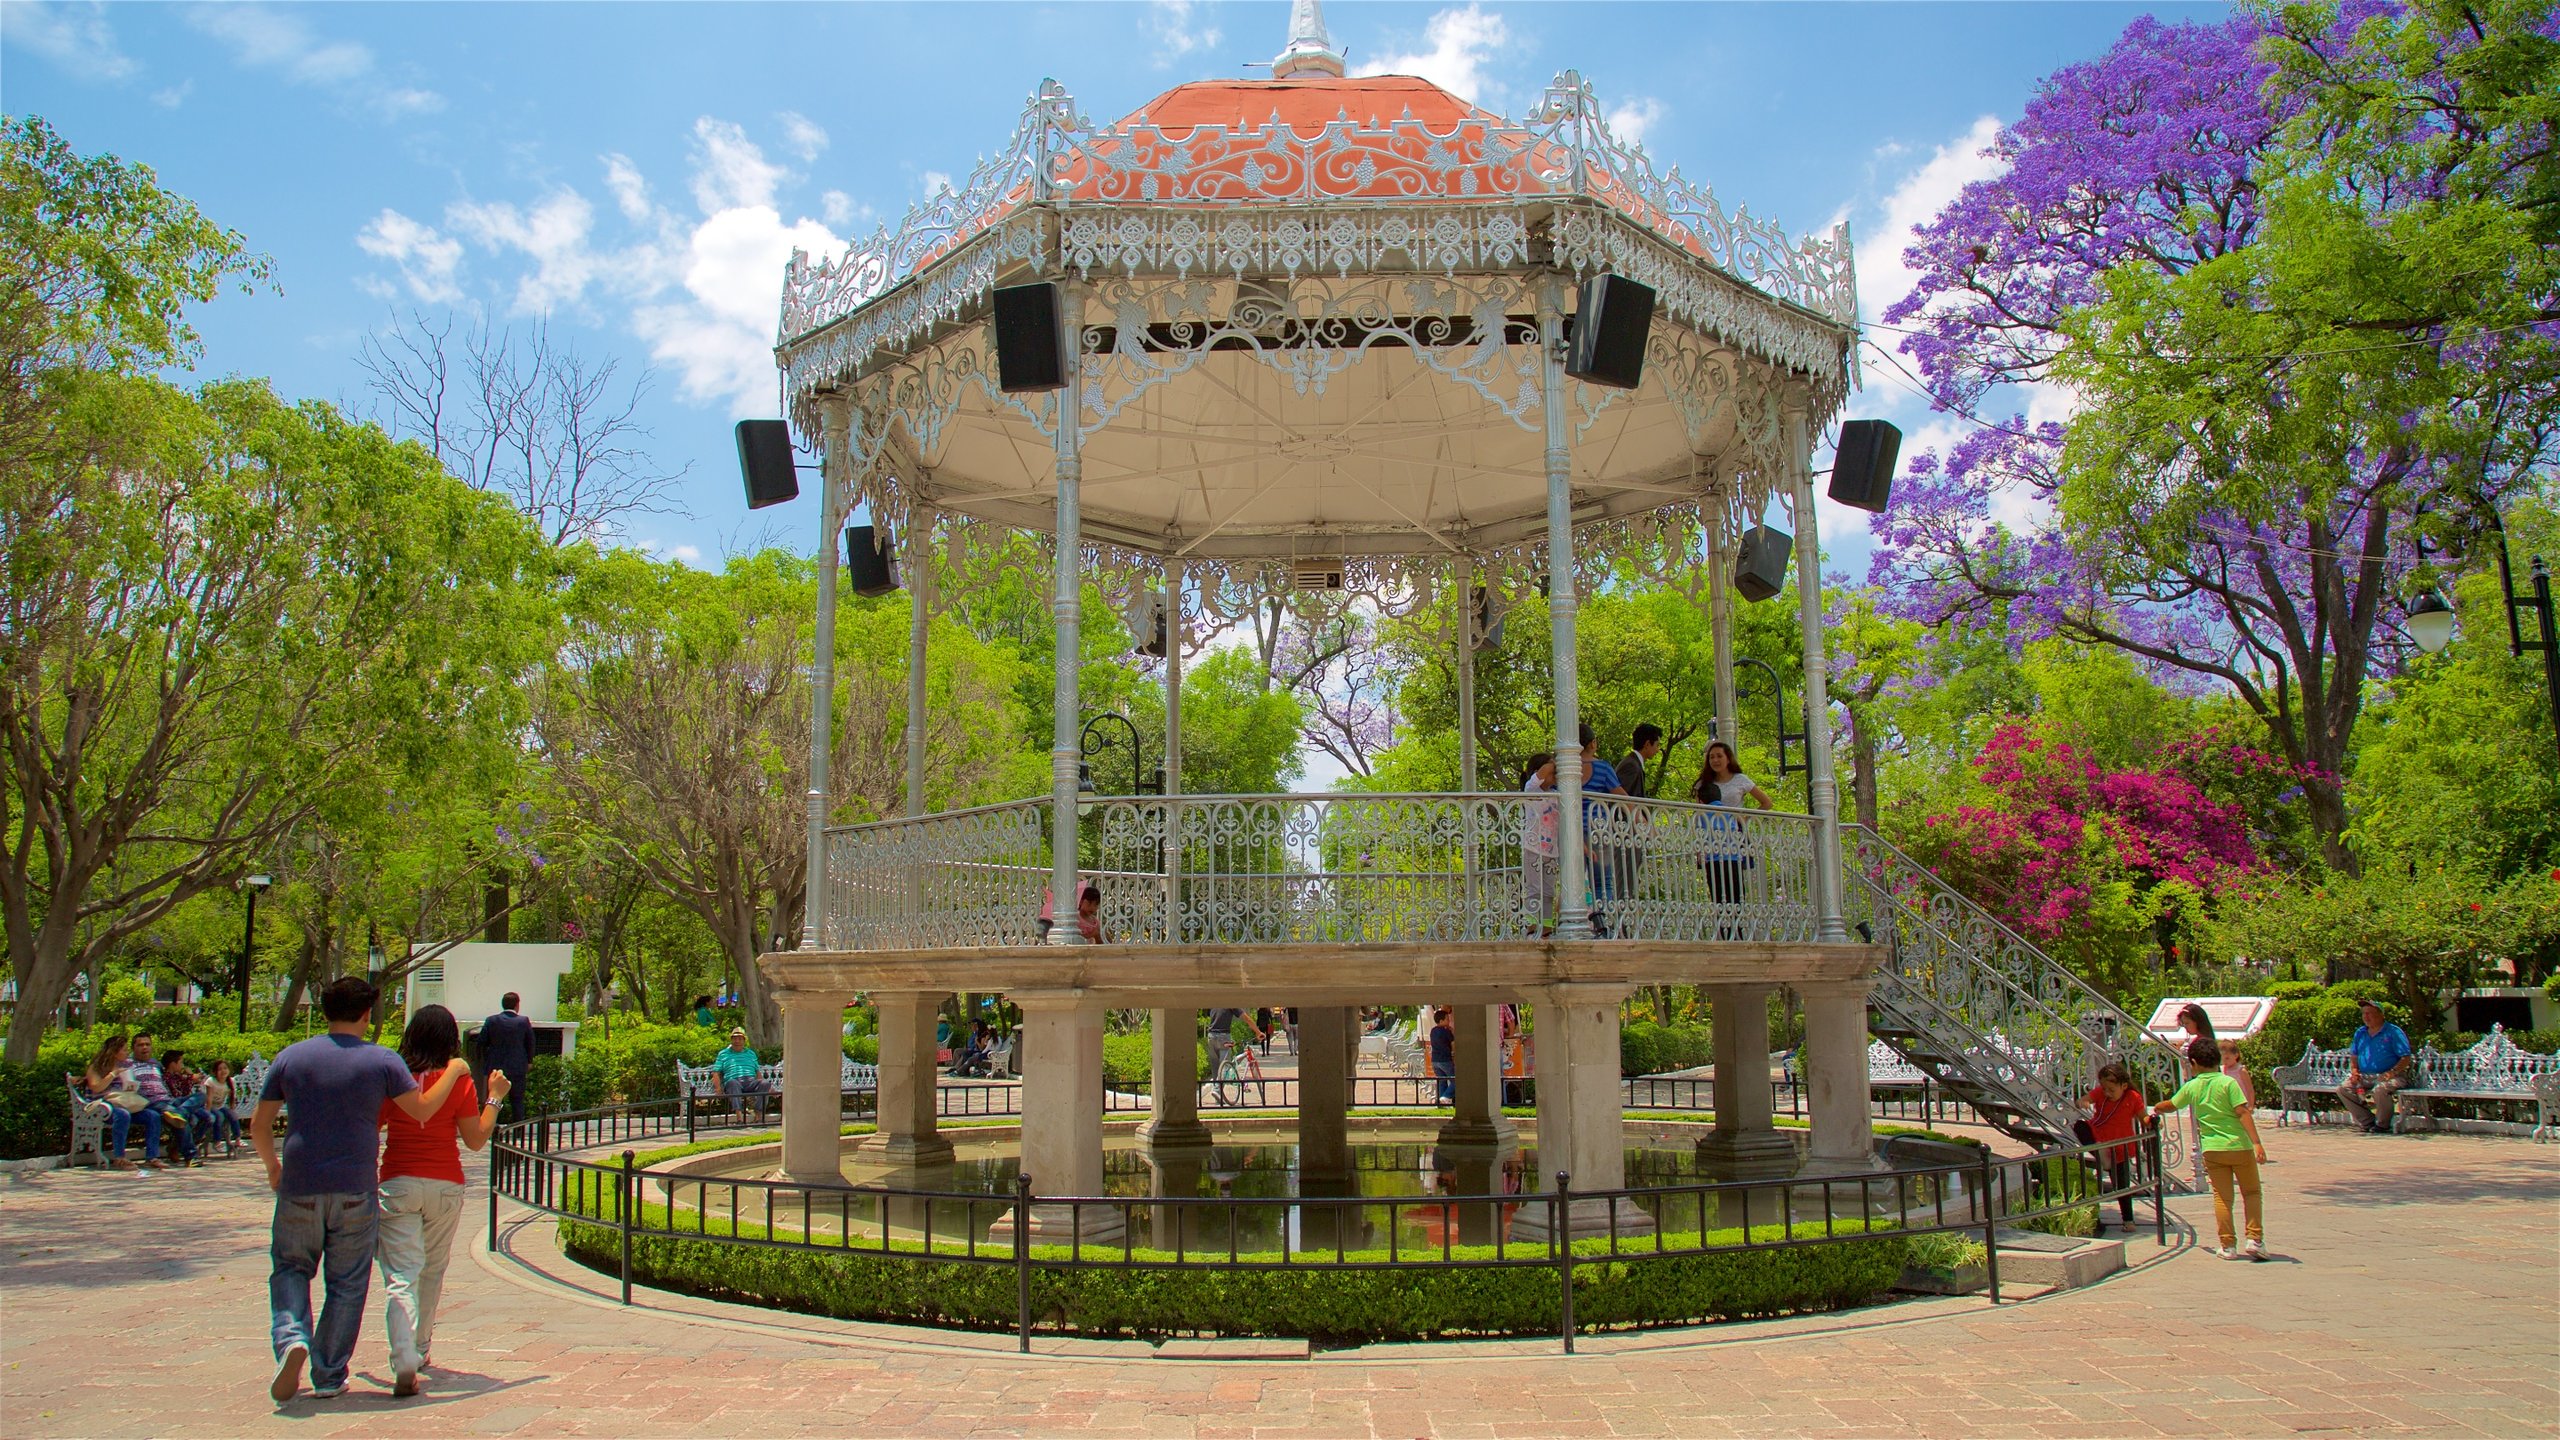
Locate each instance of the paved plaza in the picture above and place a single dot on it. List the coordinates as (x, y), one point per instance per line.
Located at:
(2417, 1292)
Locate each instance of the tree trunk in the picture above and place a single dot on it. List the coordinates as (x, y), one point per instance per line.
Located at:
(1862, 770)
(44, 975)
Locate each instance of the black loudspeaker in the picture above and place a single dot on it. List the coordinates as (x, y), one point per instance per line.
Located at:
(1760, 565)
(1609, 330)
(869, 566)
(1031, 339)
(1154, 627)
(764, 457)
(1862, 469)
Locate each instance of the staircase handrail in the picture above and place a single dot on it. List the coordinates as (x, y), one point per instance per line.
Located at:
(2046, 966)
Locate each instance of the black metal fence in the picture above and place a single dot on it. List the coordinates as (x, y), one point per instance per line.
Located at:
(583, 1167)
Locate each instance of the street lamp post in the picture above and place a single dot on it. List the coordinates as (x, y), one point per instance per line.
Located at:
(249, 940)
(2430, 621)
(1139, 784)
(1778, 725)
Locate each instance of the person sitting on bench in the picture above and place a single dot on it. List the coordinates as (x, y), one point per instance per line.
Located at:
(738, 1068)
(2379, 1065)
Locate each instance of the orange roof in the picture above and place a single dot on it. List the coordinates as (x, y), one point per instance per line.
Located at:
(1306, 103)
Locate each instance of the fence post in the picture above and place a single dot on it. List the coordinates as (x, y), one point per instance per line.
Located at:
(630, 1189)
(497, 1161)
(1990, 1228)
(1560, 1219)
(1022, 1259)
(2159, 1188)
(684, 1097)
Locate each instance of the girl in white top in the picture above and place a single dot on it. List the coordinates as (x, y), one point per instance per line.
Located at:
(1538, 836)
(1721, 782)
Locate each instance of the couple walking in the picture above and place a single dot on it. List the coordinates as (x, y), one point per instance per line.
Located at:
(342, 1205)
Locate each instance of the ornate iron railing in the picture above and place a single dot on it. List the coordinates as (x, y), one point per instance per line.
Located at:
(567, 1166)
(2013, 1018)
(1317, 869)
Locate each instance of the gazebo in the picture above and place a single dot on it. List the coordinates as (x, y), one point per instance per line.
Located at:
(1317, 335)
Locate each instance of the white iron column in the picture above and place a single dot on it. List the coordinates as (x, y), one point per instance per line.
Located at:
(1467, 674)
(1720, 623)
(1174, 1055)
(835, 465)
(1835, 1070)
(1830, 928)
(813, 1087)
(1574, 918)
(1067, 610)
(920, 585)
(910, 1132)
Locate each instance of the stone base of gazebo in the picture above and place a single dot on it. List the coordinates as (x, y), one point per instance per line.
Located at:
(1574, 989)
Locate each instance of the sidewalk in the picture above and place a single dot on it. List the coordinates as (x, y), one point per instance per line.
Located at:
(2422, 1300)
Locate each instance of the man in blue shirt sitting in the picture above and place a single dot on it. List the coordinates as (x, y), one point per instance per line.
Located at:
(2379, 1064)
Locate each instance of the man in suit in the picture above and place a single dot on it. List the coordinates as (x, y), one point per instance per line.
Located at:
(506, 1046)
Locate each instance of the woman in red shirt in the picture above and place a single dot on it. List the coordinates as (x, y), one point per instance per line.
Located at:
(2115, 1113)
(422, 1190)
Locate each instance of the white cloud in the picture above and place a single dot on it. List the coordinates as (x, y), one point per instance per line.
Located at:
(842, 209)
(75, 37)
(935, 182)
(1460, 43)
(1170, 21)
(553, 234)
(630, 191)
(1629, 119)
(804, 135)
(427, 260)
(265, 39)
(703, 292)
(1923, 193)
(173, 96)
(729, 172)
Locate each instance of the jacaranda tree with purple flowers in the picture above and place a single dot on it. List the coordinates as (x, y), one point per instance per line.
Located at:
(2292, 274)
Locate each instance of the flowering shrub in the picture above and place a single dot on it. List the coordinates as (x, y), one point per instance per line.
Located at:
(2095, 864)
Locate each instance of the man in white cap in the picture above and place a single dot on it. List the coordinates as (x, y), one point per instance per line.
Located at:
(2379, 1064)
(739, 1069)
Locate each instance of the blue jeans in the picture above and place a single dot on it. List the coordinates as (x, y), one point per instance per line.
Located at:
(738, 1087)
(222, 1124)
(120, 1122)
(331, 1236)
(1446, 1072)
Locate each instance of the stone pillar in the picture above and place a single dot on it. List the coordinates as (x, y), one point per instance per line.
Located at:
(1835, 1069)
(1477, 1118)
(1745, 1132)
(1175, 1072)
(1580, 1108)
(1062, 1107)
(813, 1087)
(909, 1132)
(1324, 1093)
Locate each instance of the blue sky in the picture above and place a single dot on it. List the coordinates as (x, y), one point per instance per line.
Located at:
(637, 173)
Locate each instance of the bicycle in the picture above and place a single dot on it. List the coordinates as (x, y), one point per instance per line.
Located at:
(1226, 1087)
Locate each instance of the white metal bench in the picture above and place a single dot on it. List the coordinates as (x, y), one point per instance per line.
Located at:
(2491, 1072)
(92, 1122)
(702, 1082)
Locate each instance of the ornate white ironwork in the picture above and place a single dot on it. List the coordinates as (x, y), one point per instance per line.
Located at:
(1348, 196)
(1980, 984)
(1284, 869)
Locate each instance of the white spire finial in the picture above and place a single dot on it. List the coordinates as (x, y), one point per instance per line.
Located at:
(1310, 50)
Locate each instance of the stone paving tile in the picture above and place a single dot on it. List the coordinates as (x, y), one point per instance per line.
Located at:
(2454, 1234)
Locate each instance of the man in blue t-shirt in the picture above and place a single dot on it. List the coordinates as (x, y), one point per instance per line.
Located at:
(331, 1087)
(1606, 855)
(2379, 1064)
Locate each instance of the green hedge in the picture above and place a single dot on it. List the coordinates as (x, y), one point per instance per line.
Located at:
(1646, 1048)
(1321, 1303)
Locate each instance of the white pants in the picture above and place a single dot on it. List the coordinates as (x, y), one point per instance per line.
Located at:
(411, 1242)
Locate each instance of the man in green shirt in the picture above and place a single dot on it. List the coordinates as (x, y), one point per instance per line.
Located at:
(738, 1068)
(2232, 1149)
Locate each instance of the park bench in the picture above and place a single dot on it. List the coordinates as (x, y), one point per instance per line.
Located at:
(2493, 1072)
(92, 1124)
(702, 1082)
